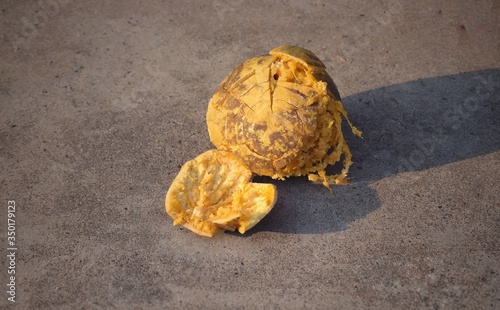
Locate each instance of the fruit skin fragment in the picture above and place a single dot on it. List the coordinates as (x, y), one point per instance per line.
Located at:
(214, 192)
(281, 114)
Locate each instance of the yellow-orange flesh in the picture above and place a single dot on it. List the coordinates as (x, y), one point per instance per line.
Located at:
(214, 192)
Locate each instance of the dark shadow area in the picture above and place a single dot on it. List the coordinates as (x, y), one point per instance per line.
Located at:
(407, 127)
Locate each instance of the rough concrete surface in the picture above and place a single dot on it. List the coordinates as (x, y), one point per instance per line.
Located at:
(103, 101)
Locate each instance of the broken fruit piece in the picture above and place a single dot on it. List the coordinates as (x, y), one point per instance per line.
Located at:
(281, 114)
(213, 192)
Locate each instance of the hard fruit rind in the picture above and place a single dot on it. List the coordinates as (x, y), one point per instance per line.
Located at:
(281, 114)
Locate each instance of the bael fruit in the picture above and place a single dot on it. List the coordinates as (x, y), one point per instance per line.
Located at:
(277, 115)
(281, 114)
(214, 192)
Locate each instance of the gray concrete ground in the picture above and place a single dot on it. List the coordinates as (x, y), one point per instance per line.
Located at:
(102, 101)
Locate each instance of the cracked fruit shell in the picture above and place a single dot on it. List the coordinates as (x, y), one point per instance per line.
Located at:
(281, 114)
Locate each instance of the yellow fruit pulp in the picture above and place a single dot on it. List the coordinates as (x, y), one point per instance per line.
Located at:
(214, 192)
